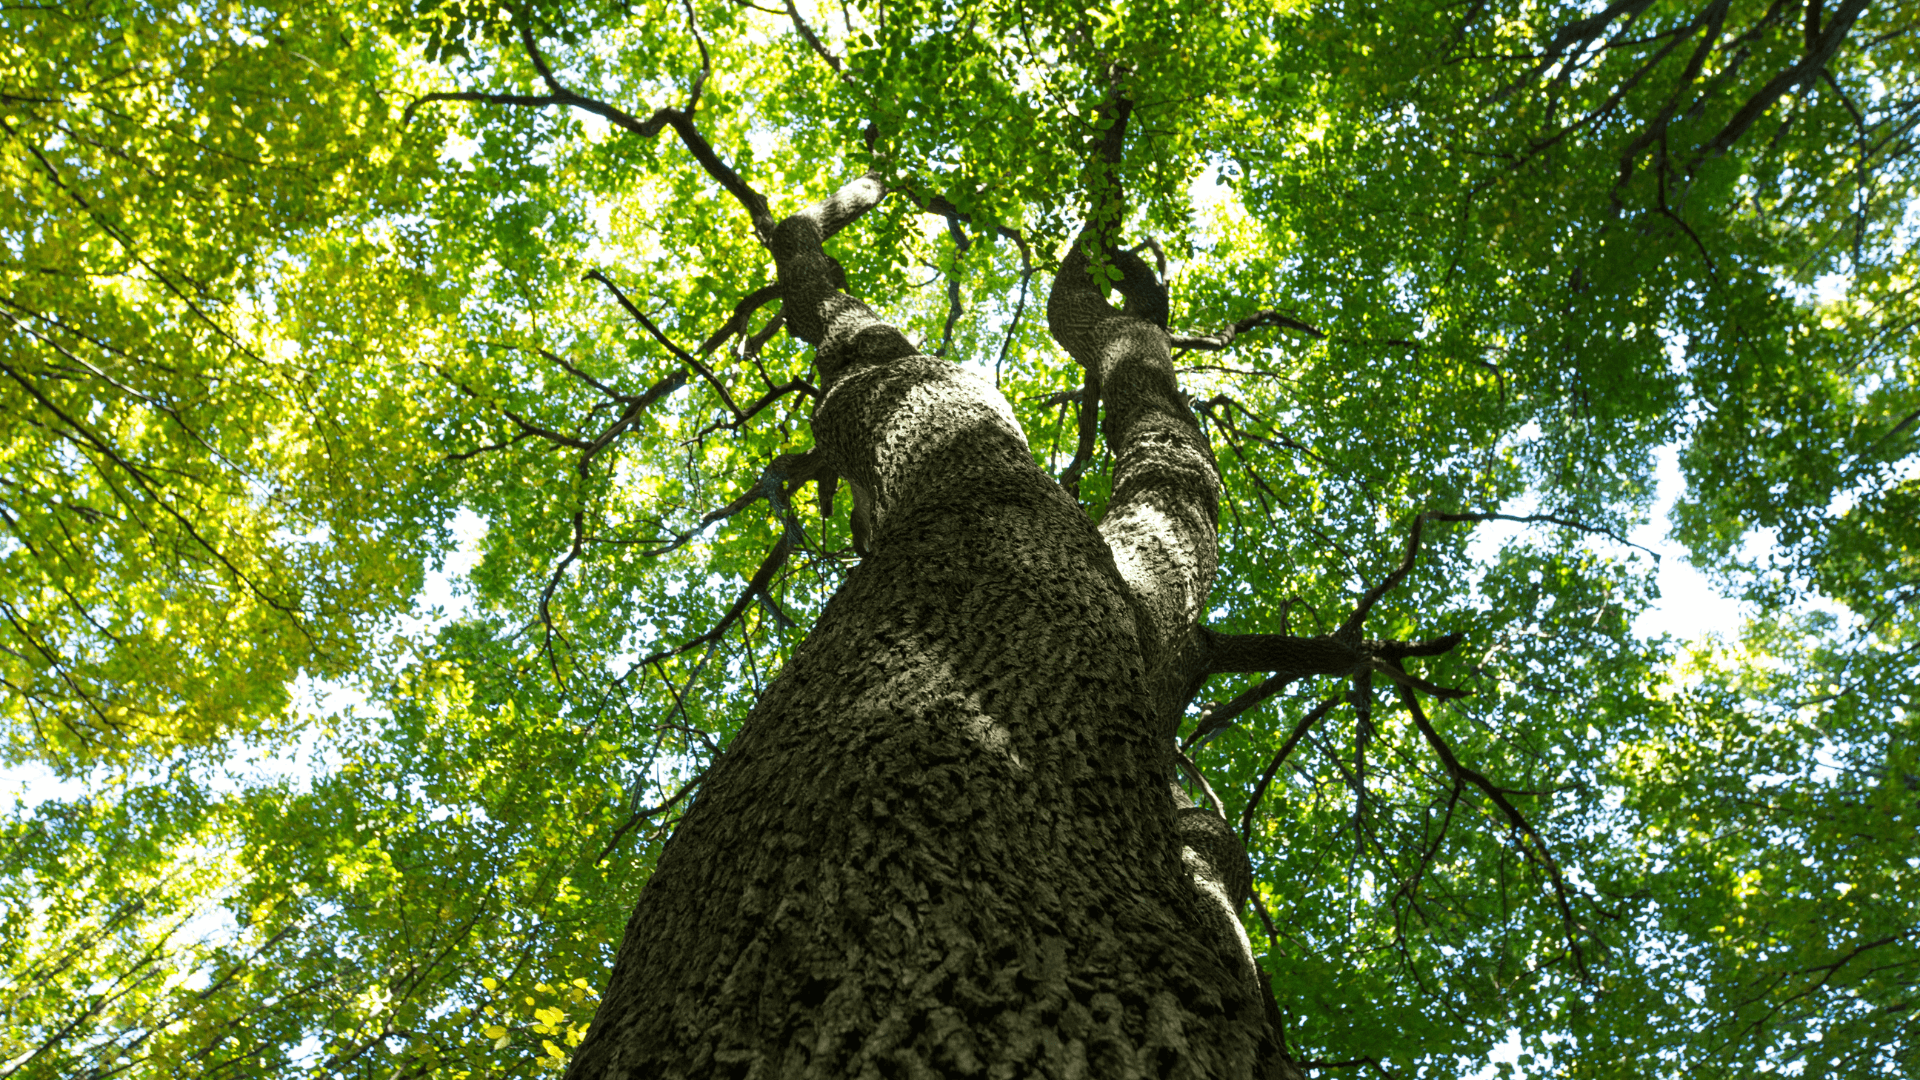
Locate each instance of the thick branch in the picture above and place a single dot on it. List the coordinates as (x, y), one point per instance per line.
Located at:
(1326, 654)
(1160, 521)
(845, 331)
(1814, 61)
(1291, 659)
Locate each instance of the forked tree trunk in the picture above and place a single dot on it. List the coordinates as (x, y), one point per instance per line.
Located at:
(943, 843)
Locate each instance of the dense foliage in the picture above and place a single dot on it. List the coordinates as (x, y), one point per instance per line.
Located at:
(308, 306)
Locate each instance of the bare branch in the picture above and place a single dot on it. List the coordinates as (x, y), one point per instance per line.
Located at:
(653, 811)
(576, 543)
(756, 586)
(1537, 850)
(681, 120)
(1218, 718)
(1350, 1063)
(954, 307)
(1575, 35)
(636, 405)
(784, 474)
(813, 41)
(1089, 428)
(1286, 748)
(1393, 671)
(1324, 654)
(1226, 336)
(742, 314)
(1276, 441)
(653, 331)
(1019, 308)
(1351, 629)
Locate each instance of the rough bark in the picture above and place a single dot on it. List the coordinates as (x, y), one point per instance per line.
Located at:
(942, 843)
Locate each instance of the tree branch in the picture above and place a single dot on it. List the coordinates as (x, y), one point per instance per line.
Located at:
(742, 314)
(1200, 781)
(653, 331)
(756, 585)
(1812, 62)
(1160, 521)
(1222, 338)
(813, 41)
(681, 120)
(1089, 430)
(641, 815)
(783, 475)
(1351, 628)
(1538, 851)
(1300, 730)
(816, 309)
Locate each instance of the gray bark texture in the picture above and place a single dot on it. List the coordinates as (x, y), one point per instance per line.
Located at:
(943, 843)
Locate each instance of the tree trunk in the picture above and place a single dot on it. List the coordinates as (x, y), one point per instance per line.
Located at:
(943, 842)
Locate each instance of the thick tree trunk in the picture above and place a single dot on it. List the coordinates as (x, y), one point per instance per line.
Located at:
(943, 842)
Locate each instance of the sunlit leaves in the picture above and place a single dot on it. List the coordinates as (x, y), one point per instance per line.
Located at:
(190, 524)
(272, 353)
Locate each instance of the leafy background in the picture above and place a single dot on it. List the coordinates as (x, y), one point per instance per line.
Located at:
(285, 344)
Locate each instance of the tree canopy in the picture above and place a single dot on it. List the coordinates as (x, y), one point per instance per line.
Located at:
(309, 305)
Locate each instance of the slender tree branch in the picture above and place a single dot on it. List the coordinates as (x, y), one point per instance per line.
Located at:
(783, 475)
(1300, 730)
(1350, 1063)
(1019, 308)
(742, 314)
(756, 585)
(653, 811)
(1089, 430)
(1537, 850)
(1351, 628)
(813, 41)
(1224, 337)
(681, 120)
(1410, 888)
(653, 331)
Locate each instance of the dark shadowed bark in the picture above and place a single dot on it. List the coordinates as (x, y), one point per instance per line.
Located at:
(944, 842)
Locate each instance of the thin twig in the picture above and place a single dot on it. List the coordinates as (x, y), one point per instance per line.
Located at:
(641, 815)
(1266, 777)
(1537, 851)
